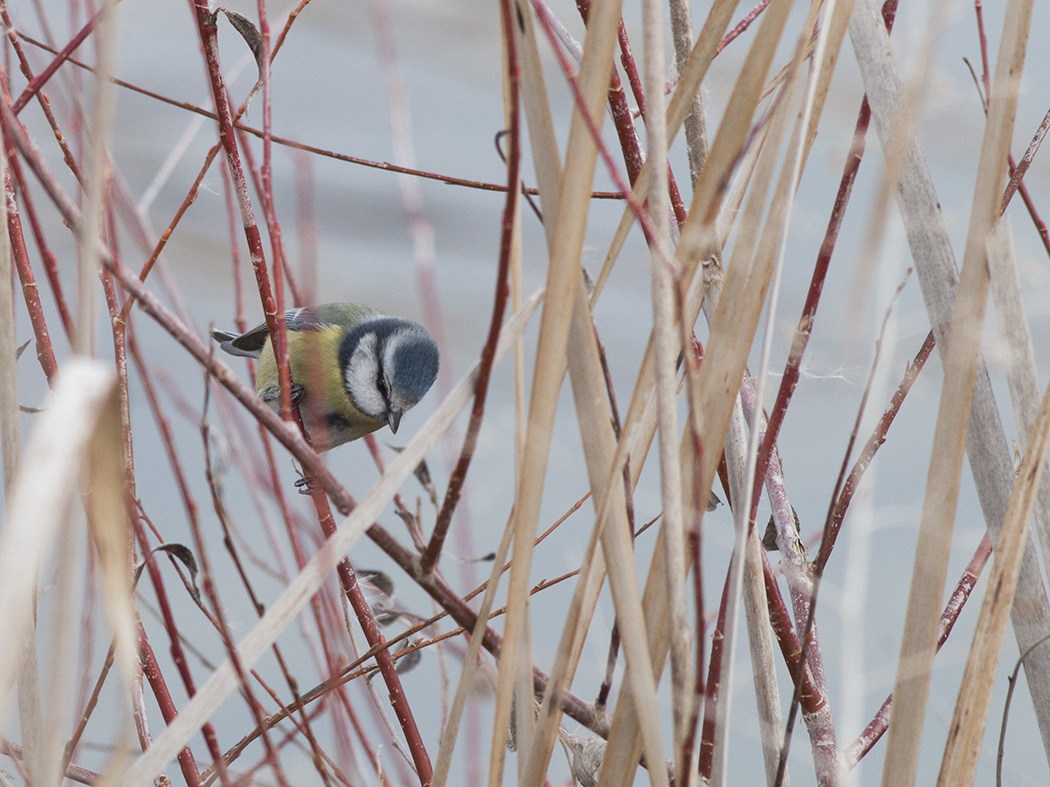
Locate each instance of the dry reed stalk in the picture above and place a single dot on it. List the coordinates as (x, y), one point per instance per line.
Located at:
(714, 390)
(724, 151)
(832, 33)
(665, 347)
(569, 223)
(567, 302)
(986, 446)
(959, 765)
(918, 643)
(599, 448)
(96, 177)
(1021, 373)
(756, 610)
(646, 625)
(689, 81)
(11, 447)
(470, 663)
(76, 439)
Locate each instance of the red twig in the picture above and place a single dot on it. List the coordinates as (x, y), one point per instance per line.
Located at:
(36, 83)
(488, 351)
(177, 654)
(291, 143)
(1016, 172)
(742, 25)
(878, 437)
(20, 257)
(877, 726)
(398, 699)
(595, 131)
(800, 340)
(168, 712)
(208, 33)
(714, 682)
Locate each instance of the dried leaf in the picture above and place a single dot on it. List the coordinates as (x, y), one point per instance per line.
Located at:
(409, 661)
(379, 591)
(250, 33)
(183, 554)
(422, 473)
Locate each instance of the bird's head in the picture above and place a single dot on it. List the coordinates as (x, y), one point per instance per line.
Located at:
(388, 364)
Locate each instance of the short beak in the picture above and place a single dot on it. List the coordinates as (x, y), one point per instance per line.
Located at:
(393, 418)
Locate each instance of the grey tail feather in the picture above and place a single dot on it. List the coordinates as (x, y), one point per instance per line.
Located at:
(226, 342)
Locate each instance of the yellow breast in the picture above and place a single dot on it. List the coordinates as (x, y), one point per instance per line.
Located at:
(314, 362)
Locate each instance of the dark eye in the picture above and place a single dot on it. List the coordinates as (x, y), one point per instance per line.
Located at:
(381, 385)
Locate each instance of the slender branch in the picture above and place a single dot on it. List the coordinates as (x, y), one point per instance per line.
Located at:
(488, 351)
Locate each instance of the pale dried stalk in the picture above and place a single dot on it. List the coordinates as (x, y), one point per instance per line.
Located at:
(77, 439)
(986, 445)
(11, 445)
(665, 346)
(97, 175)
(767, 696)
(733, 326)
(470, 663)
(919, 637)
(689, 81)
(695, 125)
(975, 693)
(599, 449)
(105, 502)
(563, 270)
(42, 497)
(1021, 374)
(828, 45)
(716, 407)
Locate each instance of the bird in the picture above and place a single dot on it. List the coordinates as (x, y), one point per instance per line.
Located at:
(354, 370)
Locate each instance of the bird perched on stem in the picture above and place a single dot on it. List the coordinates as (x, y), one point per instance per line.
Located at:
(353, 369)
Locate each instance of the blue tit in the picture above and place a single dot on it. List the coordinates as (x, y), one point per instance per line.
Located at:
(353, 369)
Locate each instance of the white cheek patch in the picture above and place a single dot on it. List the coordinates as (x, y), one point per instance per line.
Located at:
(390, 347)
(360, 378)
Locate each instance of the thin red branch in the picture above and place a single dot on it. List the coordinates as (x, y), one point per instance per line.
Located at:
(878, 725)
(875, 441)
(20, 258)
(488, 351)
(168, 712)
(295, 145)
